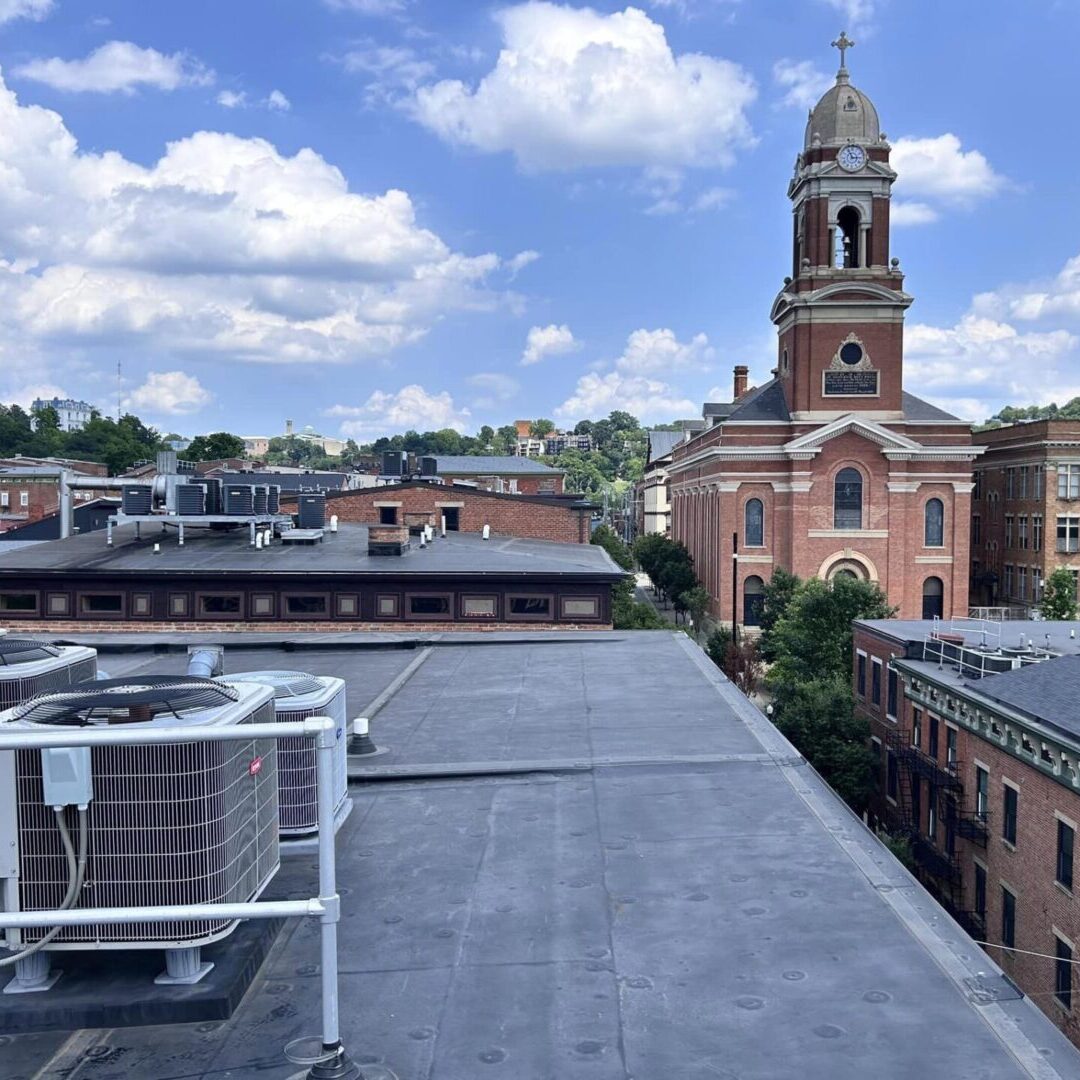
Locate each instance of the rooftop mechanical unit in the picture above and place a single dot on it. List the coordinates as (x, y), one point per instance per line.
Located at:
(297, 696)
(311, 510)
(29, 667)
(188, 823)
(191, 500)
(273, 498)
(260, 498)
(137, 499)
(212, 485)
(239, 499)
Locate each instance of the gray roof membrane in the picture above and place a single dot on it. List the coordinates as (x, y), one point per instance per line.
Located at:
(661, 443)
(480, 464)
(590, 857)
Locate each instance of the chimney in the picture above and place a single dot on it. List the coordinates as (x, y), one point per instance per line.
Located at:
(742, 374)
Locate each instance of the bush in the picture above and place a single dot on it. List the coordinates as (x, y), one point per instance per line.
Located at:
(629, 613)
(1059, 596)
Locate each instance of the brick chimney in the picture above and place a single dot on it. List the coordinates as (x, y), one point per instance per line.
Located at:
(742, 375)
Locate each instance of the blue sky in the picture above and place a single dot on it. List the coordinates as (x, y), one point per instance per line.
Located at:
(369, 215)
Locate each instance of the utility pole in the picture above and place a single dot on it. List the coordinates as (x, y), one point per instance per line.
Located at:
(734, 587)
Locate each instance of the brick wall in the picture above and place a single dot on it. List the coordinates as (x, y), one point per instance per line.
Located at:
(293, 627)
(546, 484)
(507, 516)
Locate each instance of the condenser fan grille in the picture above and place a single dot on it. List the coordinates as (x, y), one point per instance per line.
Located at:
(286, 684)
(126, 701)
(25, 651)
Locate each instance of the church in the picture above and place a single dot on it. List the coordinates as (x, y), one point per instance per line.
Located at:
(832, 467)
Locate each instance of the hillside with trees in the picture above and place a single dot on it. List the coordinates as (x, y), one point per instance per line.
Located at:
(1014, 414)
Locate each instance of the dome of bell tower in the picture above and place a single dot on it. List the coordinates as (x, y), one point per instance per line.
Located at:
(844, 114)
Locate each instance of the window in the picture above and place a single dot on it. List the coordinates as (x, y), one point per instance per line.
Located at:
(219, 604)
(141, 604)
(892, 780)
(530, 607)
(387, 515)
(847, 499)
(581, 607)
(19, 603)
(1069, 481)
(934, 524)
(982, 792)
(178, 605)
(348, 604)
(58, 604)
(860, 677)
(306, 605)
(1068, 534)
(1021, 582)
(875, 682)
(1063, 972)
(753, 600)
(932, 748)
(479, 607)
(977, 492)
(1036, 532)
(5, 499)
(1008, 814)
(1037, 493)
(916, 802)
(1010, 529)
(931, 814)
(754, 527)
(1025, 472)
(1022, 531)
(875, 753)
(1008, 918)
(891, 693)
(101, 604)
(916, 728)
(24, 498)
(263, 605)
(1065, 838)
(386, 607)
(980, 892)
(429, 606)
(1010, 482)
(976, 529)
(933, 598)
(1008, 585)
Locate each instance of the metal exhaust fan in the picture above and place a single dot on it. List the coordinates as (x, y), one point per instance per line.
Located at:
(298, 695)
(161, 824)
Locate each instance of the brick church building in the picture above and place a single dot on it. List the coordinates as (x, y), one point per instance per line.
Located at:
(832, 467)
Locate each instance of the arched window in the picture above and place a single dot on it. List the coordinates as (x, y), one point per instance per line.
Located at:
(934, 523)
(753, 600)
(847, 237)
(933, 598)
(754, 530)
(847, 499)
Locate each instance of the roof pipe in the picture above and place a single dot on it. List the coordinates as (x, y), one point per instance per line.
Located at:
(206, 661)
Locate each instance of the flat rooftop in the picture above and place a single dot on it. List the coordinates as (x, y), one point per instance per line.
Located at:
(346, 551)
(587, 856)
(1059, 637)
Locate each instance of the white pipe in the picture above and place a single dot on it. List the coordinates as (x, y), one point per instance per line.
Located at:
(33, 740)
(333, 523)
(328, 895)
(262, 909)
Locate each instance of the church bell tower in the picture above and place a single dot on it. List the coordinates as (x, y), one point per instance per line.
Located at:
(840, 315)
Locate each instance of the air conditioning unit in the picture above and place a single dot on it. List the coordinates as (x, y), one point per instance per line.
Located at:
(297, 696)
(177, 823)
(29, 667)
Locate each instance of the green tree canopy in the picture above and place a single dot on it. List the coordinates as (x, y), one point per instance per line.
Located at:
(218, 446)
(1059, 596)
(779, 592)
(539, 428)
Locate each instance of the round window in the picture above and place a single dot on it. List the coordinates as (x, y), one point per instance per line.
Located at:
(851, 353)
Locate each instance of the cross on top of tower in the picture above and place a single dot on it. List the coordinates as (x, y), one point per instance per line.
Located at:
(843, 43)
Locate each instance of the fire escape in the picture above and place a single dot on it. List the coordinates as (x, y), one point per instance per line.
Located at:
(937, 863)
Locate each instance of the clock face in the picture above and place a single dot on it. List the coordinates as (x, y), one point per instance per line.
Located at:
(851, 158)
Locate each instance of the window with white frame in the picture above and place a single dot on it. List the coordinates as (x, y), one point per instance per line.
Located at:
(1068, 534)
(1069, 481)
(1022, 531)
(1036, 532)
(1023, 489)
(1010, 482)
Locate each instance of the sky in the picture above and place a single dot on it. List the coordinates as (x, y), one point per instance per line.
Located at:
(373, 215)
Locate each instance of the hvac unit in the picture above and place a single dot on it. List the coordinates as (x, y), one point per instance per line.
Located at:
(395, 463)
(29, 667)
(177, 823)
(297, 696)
(239, 499)
(259, 497)
(273, 498)
(312, 510)
(429, 466)
(212, 486)
(137, 499)
(191, 500)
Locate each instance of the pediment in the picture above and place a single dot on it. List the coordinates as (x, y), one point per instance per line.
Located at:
(869, 430)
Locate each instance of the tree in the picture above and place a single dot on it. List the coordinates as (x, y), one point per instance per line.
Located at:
(506, 439)
(216, 447)
(605, 536)
(742, 665)
(539, 428)
(1059, 596)
(486, 436)
(779, 592)
(696, 602)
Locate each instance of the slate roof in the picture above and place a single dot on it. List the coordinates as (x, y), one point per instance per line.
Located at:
(1047, 691)
(661, 443)
(539, 879)
(492, 464)
(919, 411)
(765, 402)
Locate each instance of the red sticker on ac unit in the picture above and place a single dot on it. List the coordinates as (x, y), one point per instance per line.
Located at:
(255, 767)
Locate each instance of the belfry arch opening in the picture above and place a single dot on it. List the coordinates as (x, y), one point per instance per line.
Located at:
(848, 222)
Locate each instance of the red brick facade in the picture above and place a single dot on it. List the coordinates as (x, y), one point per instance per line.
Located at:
(561, 520)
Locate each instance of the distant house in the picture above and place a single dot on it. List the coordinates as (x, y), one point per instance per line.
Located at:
(74, 415)
(510, 475)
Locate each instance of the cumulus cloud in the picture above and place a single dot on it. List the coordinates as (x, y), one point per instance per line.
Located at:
(903, 213)
(648, 399)
(803, 83)
(24, 9)
(494, 388)
(575, 87)
(412, 407)
(169, 393)
(232, 99)
(117, 67)
(275, 101)
(224, 246)
(551, 340)
(1060, 296)
(518, 262)
(651, 352)
(940, 167)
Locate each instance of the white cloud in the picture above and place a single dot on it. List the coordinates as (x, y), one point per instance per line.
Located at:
(651, 352)
(392, 69)
(574, 87)
(277, 101)
(802, 81)
(232, 99)
(857, 12)
(494, 387)
(168, 393)
(412, 407)
(519, 261)
(368, 7)
(939, 168)
(714, 198)
(24, 9)
(118, 66)
(224, 246)
(1059, 296)
(551, 340)
(647, 399)
(903, 213)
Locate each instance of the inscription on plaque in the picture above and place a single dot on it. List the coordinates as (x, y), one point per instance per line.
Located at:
(851, 383)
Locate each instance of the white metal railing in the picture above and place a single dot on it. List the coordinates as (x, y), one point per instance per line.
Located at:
(1000, 613)
(326, 906)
